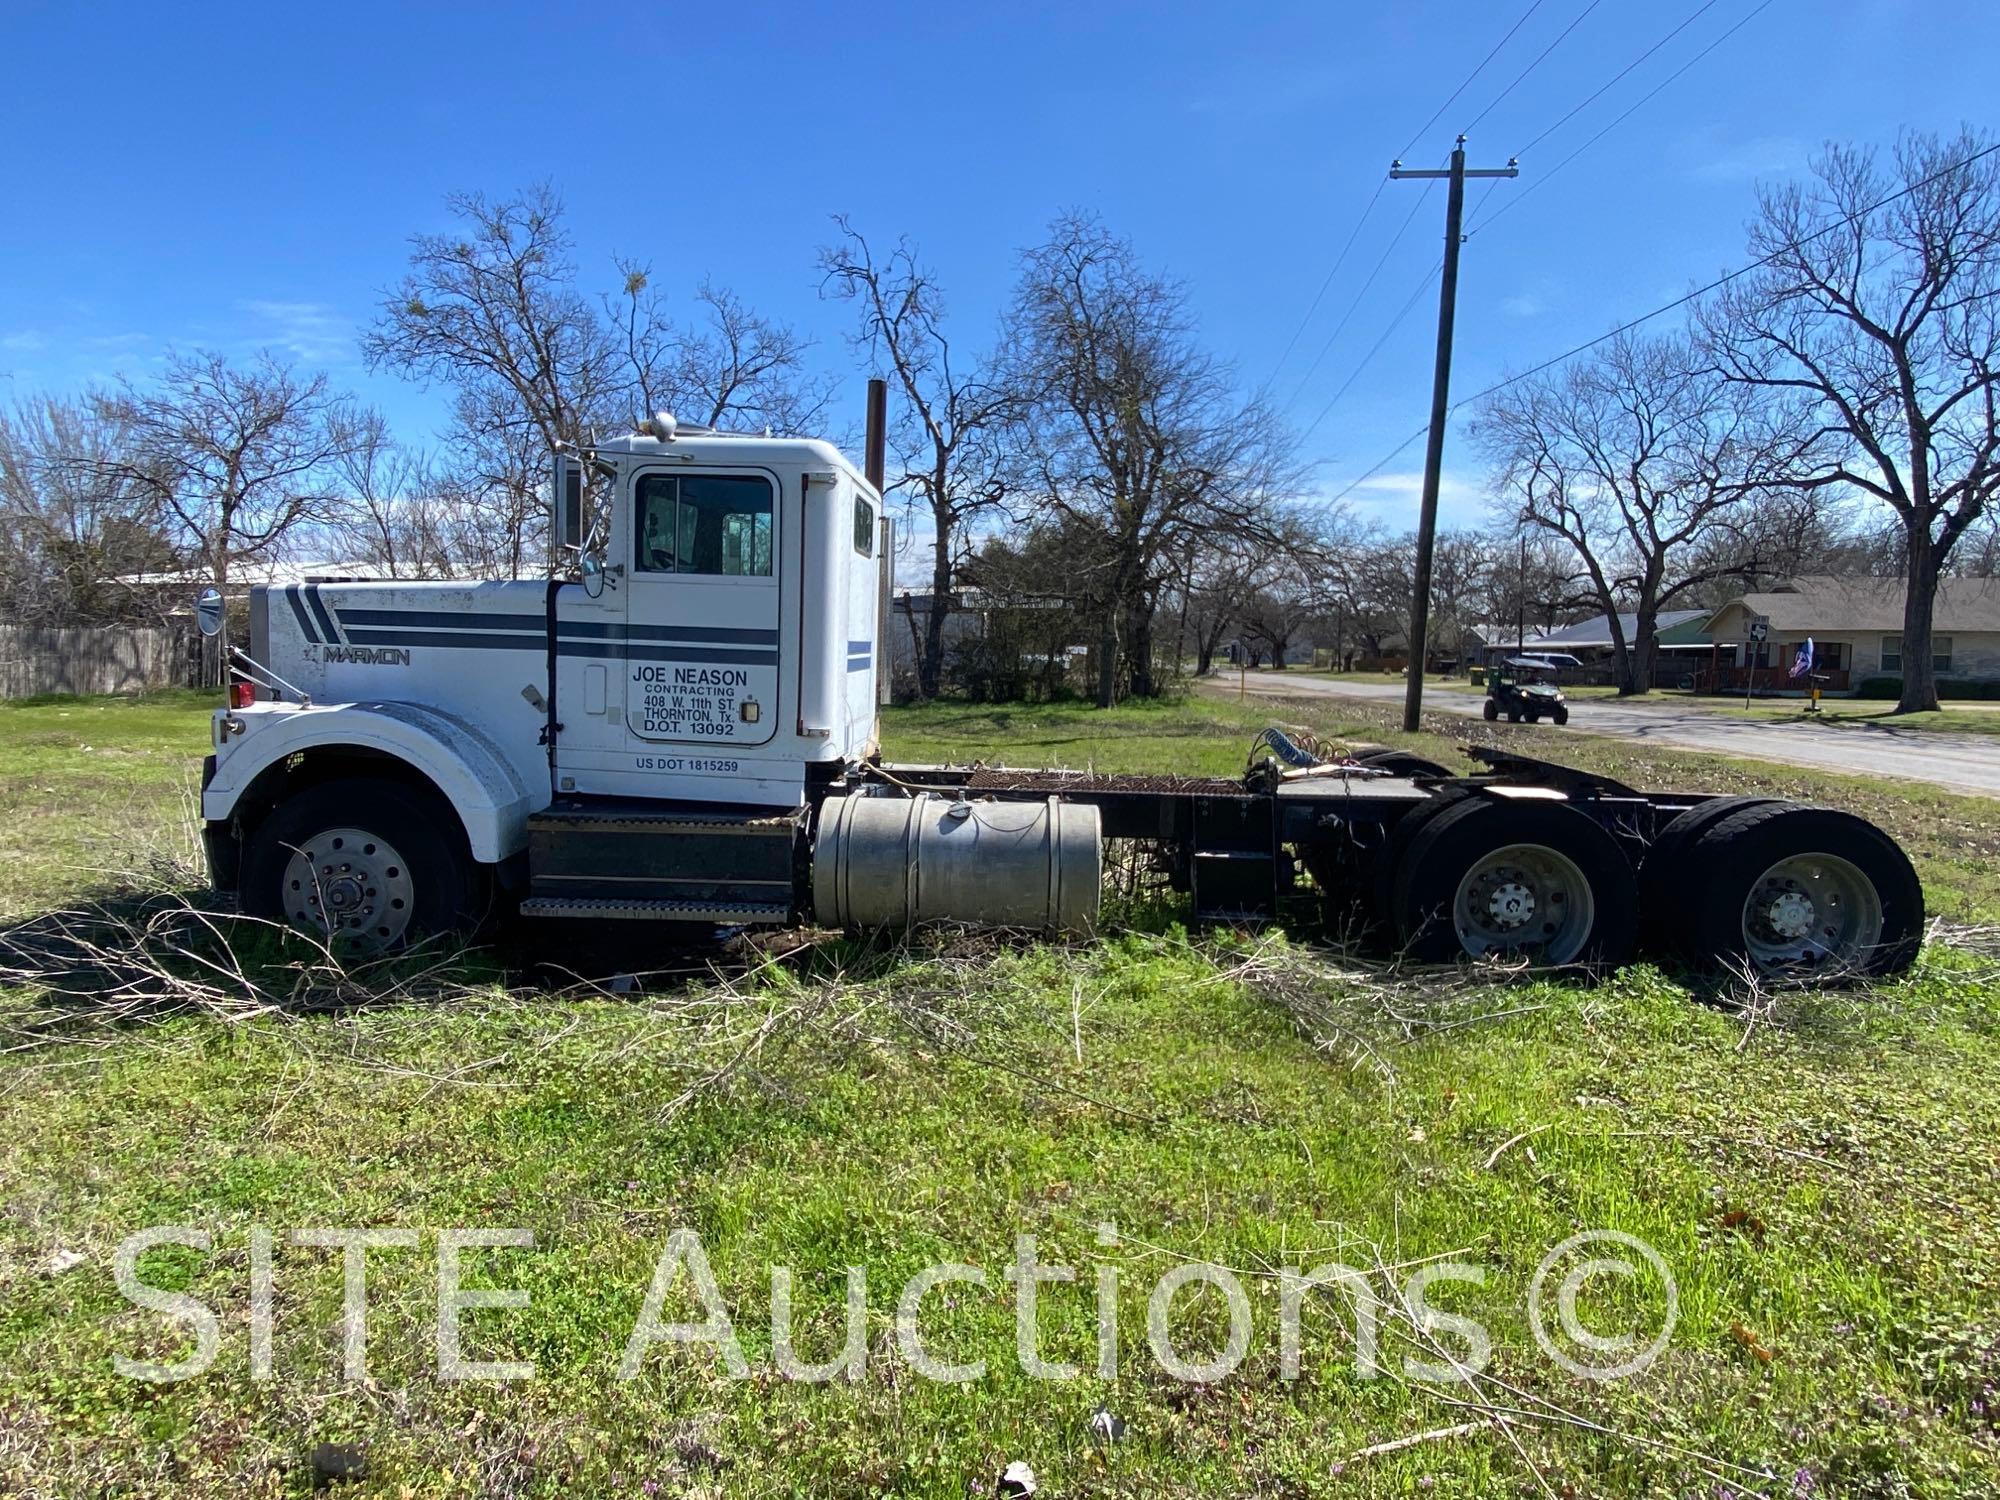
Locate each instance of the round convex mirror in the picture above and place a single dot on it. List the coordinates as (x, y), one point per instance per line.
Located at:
(208, 612)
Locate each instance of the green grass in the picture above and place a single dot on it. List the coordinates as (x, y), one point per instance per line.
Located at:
(1953, 718)
(1823, 1188)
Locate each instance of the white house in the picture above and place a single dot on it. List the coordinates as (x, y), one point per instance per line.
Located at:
(1856, 627)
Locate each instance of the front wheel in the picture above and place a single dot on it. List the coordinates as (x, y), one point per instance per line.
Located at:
(367, 864)
(1560, 713)
(1491, 711)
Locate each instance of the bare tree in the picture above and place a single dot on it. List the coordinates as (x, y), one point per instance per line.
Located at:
(1634, 457)
(1135, 430)
(950, 423)
(493, 312)
(229, 461)
(732, 367)
(390, 511)
(70, 527)
(1877, 310)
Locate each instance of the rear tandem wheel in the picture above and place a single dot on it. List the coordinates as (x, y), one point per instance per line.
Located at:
(1529, 881)
(1793, 892)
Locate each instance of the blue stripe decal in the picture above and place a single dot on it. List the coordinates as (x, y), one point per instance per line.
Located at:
(710, 655)
(320, 614)
(861, 666)
(599, 650)
(855, 648)
(464, 640)
(413, 619)
(298, 609)
(447, 618)
(709, 633)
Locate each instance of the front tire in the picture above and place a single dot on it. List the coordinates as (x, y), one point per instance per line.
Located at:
(1491, 711)
(367, 864)
(1561, 713)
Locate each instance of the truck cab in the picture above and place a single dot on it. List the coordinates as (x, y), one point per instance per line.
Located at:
(714, 650)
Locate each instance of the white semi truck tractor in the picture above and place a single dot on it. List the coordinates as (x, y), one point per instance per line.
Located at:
(681, 728)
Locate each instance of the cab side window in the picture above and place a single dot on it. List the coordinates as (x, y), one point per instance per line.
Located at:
(718, 524)
(864, 527)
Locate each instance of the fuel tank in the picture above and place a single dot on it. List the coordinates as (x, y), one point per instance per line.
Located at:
(904, 861)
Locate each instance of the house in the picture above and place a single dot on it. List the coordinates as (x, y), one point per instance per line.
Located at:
(1678, 633)
(1856, 627)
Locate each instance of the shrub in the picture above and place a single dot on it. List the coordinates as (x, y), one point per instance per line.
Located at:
(1963, 689)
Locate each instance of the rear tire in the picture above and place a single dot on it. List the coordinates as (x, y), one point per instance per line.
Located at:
(1663, 874)
(1798, 892)
(1513, 880)
(368, 864)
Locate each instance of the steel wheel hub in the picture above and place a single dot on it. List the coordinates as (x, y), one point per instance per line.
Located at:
(1511, 904)
(350, 885)
(1811, 910)
(1791, 914)
(1525, 901)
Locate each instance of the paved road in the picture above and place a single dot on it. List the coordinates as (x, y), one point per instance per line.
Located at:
(1962, 762)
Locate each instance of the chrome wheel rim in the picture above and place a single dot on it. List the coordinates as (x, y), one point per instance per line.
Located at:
(350, 886)
(1811, 911)
(1524, 901)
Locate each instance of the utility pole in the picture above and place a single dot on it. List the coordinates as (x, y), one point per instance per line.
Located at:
(1420, 601)
(1521, 600)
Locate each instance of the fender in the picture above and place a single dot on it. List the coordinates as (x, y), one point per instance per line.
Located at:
(461, 761)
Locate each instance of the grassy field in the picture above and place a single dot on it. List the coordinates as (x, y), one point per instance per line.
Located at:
(1819, 1176)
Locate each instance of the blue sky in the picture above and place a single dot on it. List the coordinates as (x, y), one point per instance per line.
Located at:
(246, 176)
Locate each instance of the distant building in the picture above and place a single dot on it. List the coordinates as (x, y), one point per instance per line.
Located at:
(243, 573)
(1856, 627)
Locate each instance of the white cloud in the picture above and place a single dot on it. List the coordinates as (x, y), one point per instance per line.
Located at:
(1762, 156)
(26, 341)
(1399, 494)
(1523, 305)
(308, 331)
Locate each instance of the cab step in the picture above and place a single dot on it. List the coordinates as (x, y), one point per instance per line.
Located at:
(708, 913)
(626, 859)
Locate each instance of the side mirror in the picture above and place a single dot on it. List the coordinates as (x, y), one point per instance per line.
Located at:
(208, 612)
(592, 568)
(568, 492)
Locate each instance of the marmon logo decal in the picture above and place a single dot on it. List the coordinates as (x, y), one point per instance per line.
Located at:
(373, 656)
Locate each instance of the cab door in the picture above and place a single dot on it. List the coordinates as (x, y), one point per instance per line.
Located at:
(700, 637)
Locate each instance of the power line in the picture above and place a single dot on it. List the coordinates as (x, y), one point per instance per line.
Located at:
(1334, 270)
(1341, 258)
(1353, 306)
(1615, 78)
(1380, 464)
(1644, 100)
(1533, 65)
(1666, 307)
(1537, 5)
(1374, 348)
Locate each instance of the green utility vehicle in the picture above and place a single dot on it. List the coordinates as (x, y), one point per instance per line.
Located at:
(1523, 688)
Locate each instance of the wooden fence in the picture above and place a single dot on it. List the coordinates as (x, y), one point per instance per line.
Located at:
(99, 659)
